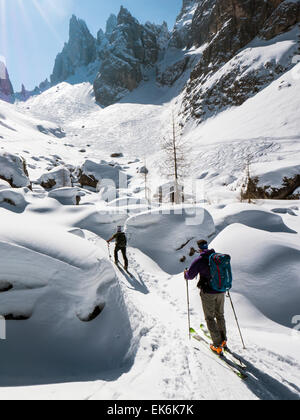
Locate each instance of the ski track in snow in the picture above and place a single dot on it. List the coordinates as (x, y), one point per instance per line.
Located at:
(188, 370)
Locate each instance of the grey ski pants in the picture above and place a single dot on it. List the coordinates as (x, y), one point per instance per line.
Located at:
(213, 308)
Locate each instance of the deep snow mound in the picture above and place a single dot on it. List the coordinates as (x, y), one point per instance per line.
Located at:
(266, 269)
(167, 234)
(61, 300)
(253, 216)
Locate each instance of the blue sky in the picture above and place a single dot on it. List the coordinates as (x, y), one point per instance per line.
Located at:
(32, 32)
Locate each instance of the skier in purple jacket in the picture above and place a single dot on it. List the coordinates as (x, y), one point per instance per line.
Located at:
(213, 302)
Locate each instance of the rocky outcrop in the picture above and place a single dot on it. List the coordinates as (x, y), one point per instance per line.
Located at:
(56, 132)
(282, 19)
(58, 177)
(223, 29)
(172, 73)
(132, 48)
(13, 170)
(6, 88)
(92, 174)
(111, 25)
(79, 51)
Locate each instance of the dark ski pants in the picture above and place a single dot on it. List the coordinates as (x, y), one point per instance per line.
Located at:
(213, 308)
(123, 250)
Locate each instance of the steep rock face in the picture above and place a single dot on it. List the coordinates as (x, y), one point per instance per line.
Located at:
(234, 23)
(79, 51)
(6, 88)
(172, 73)
(154, 40)
(102, 45)
(170, 69)
(283, 18)
(181, 35)
(111, 24)
(120, 71)
(132, 47)
(224, 28)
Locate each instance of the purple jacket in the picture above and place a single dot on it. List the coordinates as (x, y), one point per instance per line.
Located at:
(201, 266)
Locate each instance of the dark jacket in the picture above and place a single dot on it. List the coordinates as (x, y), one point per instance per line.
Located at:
(201, 266)
(121, 240)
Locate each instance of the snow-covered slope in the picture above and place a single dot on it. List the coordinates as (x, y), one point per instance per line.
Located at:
(78, 329)
(265, 129)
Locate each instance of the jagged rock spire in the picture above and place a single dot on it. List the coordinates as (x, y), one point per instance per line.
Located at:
(79, 51)
(6, 88)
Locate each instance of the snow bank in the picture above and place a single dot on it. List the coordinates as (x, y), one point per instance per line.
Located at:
(103, 221)
(266, 268)
(65, 311)
(67, 195)
(252, 216)
(4, 185)
(14, 198)
(272, 174)
(167, 234)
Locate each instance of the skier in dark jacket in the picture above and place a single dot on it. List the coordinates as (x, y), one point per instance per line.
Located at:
(213, 302)
(121, 244)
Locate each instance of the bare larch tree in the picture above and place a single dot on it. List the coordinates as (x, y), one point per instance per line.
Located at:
(175, 163)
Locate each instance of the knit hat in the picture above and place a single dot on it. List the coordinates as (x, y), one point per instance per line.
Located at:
(202, 244)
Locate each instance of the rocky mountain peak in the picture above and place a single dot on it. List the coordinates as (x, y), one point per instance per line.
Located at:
(6, 88)
(78, 29)
(132, 47)
(125, 17)
(111, 24)
(79, 51)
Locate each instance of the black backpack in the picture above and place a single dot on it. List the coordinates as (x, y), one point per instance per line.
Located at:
(121, 240)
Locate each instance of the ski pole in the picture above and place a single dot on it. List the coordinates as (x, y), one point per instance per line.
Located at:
(188, 306)
(236, 320)
(108, 245)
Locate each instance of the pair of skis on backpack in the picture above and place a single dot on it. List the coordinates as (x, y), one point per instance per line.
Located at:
(232, 361)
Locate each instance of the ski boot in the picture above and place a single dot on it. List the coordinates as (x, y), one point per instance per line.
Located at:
(217, 349)
(224, 345)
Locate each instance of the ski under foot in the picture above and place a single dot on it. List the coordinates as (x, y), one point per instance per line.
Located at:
(229, 364)
(234, 358)
(121, 267)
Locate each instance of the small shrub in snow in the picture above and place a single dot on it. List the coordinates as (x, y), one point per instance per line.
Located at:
(288, 191)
